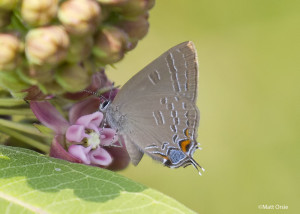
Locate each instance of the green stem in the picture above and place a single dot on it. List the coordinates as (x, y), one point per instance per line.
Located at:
(25, 139)
(22, 111)
(10, 102)
(22, 127)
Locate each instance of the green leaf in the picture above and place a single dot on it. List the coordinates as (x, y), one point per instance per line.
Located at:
(33, 183)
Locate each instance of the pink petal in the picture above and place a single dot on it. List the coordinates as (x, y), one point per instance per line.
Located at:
(76, 133)
(100, 157)
(49, 116)
(80, 152)
(120, 157)
(87, 106)
(57, 150)
(34, 93)
(108, 136)
(91, 121)
(100, 80)
(111, 94)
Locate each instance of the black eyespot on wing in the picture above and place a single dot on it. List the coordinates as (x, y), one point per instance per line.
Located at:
(168, 163)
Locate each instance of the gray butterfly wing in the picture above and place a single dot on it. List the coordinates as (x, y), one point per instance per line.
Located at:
(134, 151)
(155, 109)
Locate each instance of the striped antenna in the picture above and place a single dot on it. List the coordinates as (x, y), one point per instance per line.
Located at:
(94, 93)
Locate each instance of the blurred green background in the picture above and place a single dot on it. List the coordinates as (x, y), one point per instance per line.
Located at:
(249, 98)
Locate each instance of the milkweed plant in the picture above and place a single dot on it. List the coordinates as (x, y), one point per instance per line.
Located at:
(53, 56)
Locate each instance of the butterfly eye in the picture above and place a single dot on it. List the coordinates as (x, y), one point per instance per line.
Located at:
(104, 105)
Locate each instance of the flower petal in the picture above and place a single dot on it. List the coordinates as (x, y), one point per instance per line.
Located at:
(34, 93)
(49, 116)
(120, 157)
(87, 106)
(91, 121)
(108, 136)
(81, 153)
(76, 133)
(100, 157)
(57, 150)
(111, 94)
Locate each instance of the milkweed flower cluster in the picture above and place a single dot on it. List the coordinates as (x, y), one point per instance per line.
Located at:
(81, 139)
(45, 42)
(53, 55)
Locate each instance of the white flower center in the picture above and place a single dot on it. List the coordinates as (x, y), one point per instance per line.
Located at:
(93, 140)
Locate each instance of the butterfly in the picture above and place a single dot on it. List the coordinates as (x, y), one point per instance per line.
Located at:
(155, 112)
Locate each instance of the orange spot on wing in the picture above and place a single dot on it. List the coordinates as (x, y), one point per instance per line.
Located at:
(163, 156)
(185, 144)
(186, 132)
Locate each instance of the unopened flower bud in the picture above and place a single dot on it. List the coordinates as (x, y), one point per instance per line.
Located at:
(35, 74)
(8, 4)
(51, 88)
(80, 49)
(39, 12)
(110, 45)
(34, 93)
(4, 18)
(9, 53)
(136, 7)
(47, 45)
(131, 45)
(136, 29)
(80, 17)
(74, 77)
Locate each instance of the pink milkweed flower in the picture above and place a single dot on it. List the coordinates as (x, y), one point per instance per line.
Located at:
(81, 139)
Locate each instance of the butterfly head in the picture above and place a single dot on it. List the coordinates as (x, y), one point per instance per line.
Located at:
(104, 105)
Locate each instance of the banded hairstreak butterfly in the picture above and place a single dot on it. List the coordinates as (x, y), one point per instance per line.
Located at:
(155, 112)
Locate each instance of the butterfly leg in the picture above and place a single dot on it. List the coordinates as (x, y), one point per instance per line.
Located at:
(114, 138)
(103, 123)
(114, 142)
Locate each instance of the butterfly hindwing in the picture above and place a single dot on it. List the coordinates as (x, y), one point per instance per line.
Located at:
(156, 108)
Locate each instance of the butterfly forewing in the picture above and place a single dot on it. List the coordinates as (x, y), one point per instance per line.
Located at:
(155, 110)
